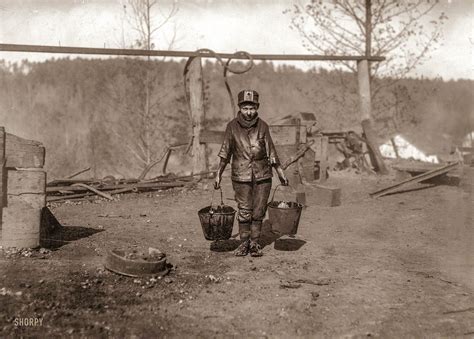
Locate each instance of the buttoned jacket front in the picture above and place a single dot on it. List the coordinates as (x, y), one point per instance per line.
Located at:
(251, 149)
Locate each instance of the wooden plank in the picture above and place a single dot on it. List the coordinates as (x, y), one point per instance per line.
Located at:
(2, 142)
(320, 148)
(287, 134)
(296, 172)
(281, 135)
(211, 137)
(418, 167)
(178, 54)
(324, 161)
(415, 179)
(320, 151)
(308, 165)
(23, 153)
(196, 97)
(466, 149)
(3, 181)
(368, 28)
(26, 181)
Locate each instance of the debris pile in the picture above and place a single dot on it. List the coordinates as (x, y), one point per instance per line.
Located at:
(74, 189)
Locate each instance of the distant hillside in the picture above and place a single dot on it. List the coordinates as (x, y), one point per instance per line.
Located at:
(90, 112)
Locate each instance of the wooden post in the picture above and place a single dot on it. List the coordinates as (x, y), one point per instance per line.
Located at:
(23, 190)
(297, 172)
(365, 108)
(3, 196)
(26, 192)
(368, 28)
(323, 163)
(196, 96)
(363, 77)
(395, 148)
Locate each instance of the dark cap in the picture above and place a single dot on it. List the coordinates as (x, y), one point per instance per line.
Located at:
(248, 96)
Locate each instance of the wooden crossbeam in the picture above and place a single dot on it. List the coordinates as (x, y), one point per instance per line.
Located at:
(418, 178)
(181, 54)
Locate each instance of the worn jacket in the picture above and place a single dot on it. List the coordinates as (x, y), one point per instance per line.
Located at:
(251, 149)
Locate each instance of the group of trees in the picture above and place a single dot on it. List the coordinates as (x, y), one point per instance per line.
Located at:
(119, 115)
(88, 112)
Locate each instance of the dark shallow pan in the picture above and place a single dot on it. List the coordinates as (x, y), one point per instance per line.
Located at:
(116, 262)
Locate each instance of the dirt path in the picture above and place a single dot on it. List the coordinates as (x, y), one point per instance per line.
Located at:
(397, 266)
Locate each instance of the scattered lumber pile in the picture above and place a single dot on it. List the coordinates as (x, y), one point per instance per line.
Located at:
(70, 188)
(416, 179)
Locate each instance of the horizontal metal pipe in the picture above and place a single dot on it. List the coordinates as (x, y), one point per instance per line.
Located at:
(182, 54)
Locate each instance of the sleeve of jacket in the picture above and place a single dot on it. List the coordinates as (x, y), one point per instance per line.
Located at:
(225, 151)
(272, 154)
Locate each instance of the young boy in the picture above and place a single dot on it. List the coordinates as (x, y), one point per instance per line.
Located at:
(248, 143)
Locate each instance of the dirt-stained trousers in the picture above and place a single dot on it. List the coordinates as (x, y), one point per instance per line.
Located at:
(252, 200)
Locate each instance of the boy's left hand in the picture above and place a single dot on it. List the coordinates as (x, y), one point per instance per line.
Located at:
(284, 180)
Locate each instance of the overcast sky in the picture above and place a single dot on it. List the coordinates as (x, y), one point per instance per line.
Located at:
(223, 25)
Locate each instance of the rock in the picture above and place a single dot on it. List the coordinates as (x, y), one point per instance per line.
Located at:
(323, 281)
(290, 285)
(213, 278)
(314, 296)
(155, 253)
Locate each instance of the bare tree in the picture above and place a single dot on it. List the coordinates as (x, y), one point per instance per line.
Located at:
(398, 31)
(145, 131)
(147, 18)
(399, 28)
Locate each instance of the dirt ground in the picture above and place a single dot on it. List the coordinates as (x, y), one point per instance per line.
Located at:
(397, 266)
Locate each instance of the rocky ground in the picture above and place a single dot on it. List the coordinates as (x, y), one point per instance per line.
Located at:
(396, 266)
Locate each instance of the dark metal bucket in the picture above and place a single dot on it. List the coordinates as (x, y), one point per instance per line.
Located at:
(217, 221)
(284, 220)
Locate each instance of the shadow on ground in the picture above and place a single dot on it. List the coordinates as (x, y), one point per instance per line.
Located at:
(53, 235)
(268, 236)
(224, 245)
(66, 234)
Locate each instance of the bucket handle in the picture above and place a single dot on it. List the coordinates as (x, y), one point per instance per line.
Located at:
(274, 191)
(212, 197)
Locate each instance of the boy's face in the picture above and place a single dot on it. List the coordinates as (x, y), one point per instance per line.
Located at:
(249, 111)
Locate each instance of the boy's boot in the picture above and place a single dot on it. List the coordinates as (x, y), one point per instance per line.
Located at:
(254, 247)
(243, 249)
